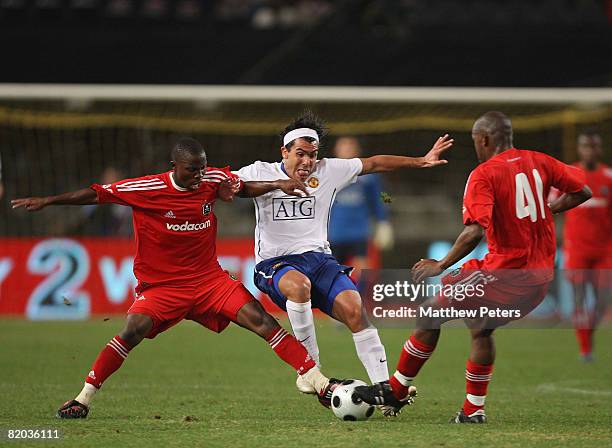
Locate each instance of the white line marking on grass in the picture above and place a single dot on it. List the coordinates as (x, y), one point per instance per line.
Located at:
(560, 387)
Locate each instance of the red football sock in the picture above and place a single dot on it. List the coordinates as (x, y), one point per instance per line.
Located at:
(583, 325)
(108, 361)
(413, 356)
(585, 340)
(477, 377)
(290, 350)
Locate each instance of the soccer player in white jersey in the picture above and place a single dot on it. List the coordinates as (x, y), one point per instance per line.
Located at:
(295, 266)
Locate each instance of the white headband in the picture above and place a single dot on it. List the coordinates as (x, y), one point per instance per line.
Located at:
(299, 133)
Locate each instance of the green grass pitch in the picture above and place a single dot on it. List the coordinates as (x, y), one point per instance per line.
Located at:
(190, 387)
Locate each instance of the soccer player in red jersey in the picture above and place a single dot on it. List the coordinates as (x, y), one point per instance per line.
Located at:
(504, 199)
(176, 265)
(587, 241)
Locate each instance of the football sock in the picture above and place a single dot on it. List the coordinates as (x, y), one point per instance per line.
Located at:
(584, 333)
(585, 340)
(290, 350)
(107, 362)
(302, 323)
(413, 356)
(372, 354)
(86, 394)
(477, 377)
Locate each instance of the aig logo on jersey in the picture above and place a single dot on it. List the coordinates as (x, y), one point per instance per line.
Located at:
(291, 208)
(206, 208)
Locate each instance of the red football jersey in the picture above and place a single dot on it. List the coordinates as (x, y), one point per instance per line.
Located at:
(506, 196)
(588, 227)
(175, 228)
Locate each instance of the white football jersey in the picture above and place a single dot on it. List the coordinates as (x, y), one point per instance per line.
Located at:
(288, 225)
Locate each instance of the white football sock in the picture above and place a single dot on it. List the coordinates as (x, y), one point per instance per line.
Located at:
(87, 394)
(372, 354)
(302, 323)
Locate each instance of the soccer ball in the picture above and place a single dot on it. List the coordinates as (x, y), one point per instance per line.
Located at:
(347, 405)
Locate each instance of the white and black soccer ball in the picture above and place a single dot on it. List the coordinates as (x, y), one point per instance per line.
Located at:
(347, 405)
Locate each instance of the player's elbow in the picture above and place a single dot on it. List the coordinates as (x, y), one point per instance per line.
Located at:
(579, 197)
(474, 233)
(585, 194)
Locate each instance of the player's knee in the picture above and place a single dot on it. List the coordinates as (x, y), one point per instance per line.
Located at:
(136, 328)
(481, 334)
(301, 290)
(256, 319)
(296, 288)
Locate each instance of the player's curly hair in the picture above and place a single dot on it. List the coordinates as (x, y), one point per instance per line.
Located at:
(308, 119)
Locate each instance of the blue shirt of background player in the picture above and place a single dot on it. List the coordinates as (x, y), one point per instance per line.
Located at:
(353, 209)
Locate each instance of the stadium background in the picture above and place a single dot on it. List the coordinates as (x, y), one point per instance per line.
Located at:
(61, 137)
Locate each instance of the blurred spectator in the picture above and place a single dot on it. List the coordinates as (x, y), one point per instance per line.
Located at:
(381, 17)
(235, 10)
(270, 14)
(264, 18)
(355, 207)
(188, 10)
(154, 9)
(84, 4)
(106, 220)
(119, 8)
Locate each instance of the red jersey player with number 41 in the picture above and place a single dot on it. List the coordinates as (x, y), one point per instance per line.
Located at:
(504, 198)
(176, 265)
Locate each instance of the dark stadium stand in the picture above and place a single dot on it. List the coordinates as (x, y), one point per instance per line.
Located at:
(553, 42)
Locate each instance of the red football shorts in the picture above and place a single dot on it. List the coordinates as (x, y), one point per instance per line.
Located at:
(214, 303)
(501, 291)
(589, 267)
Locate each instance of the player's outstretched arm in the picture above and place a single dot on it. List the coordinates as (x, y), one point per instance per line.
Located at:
(570, 200)
(379, 164)
(466, 243)
(85, 196)
(291, 187)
